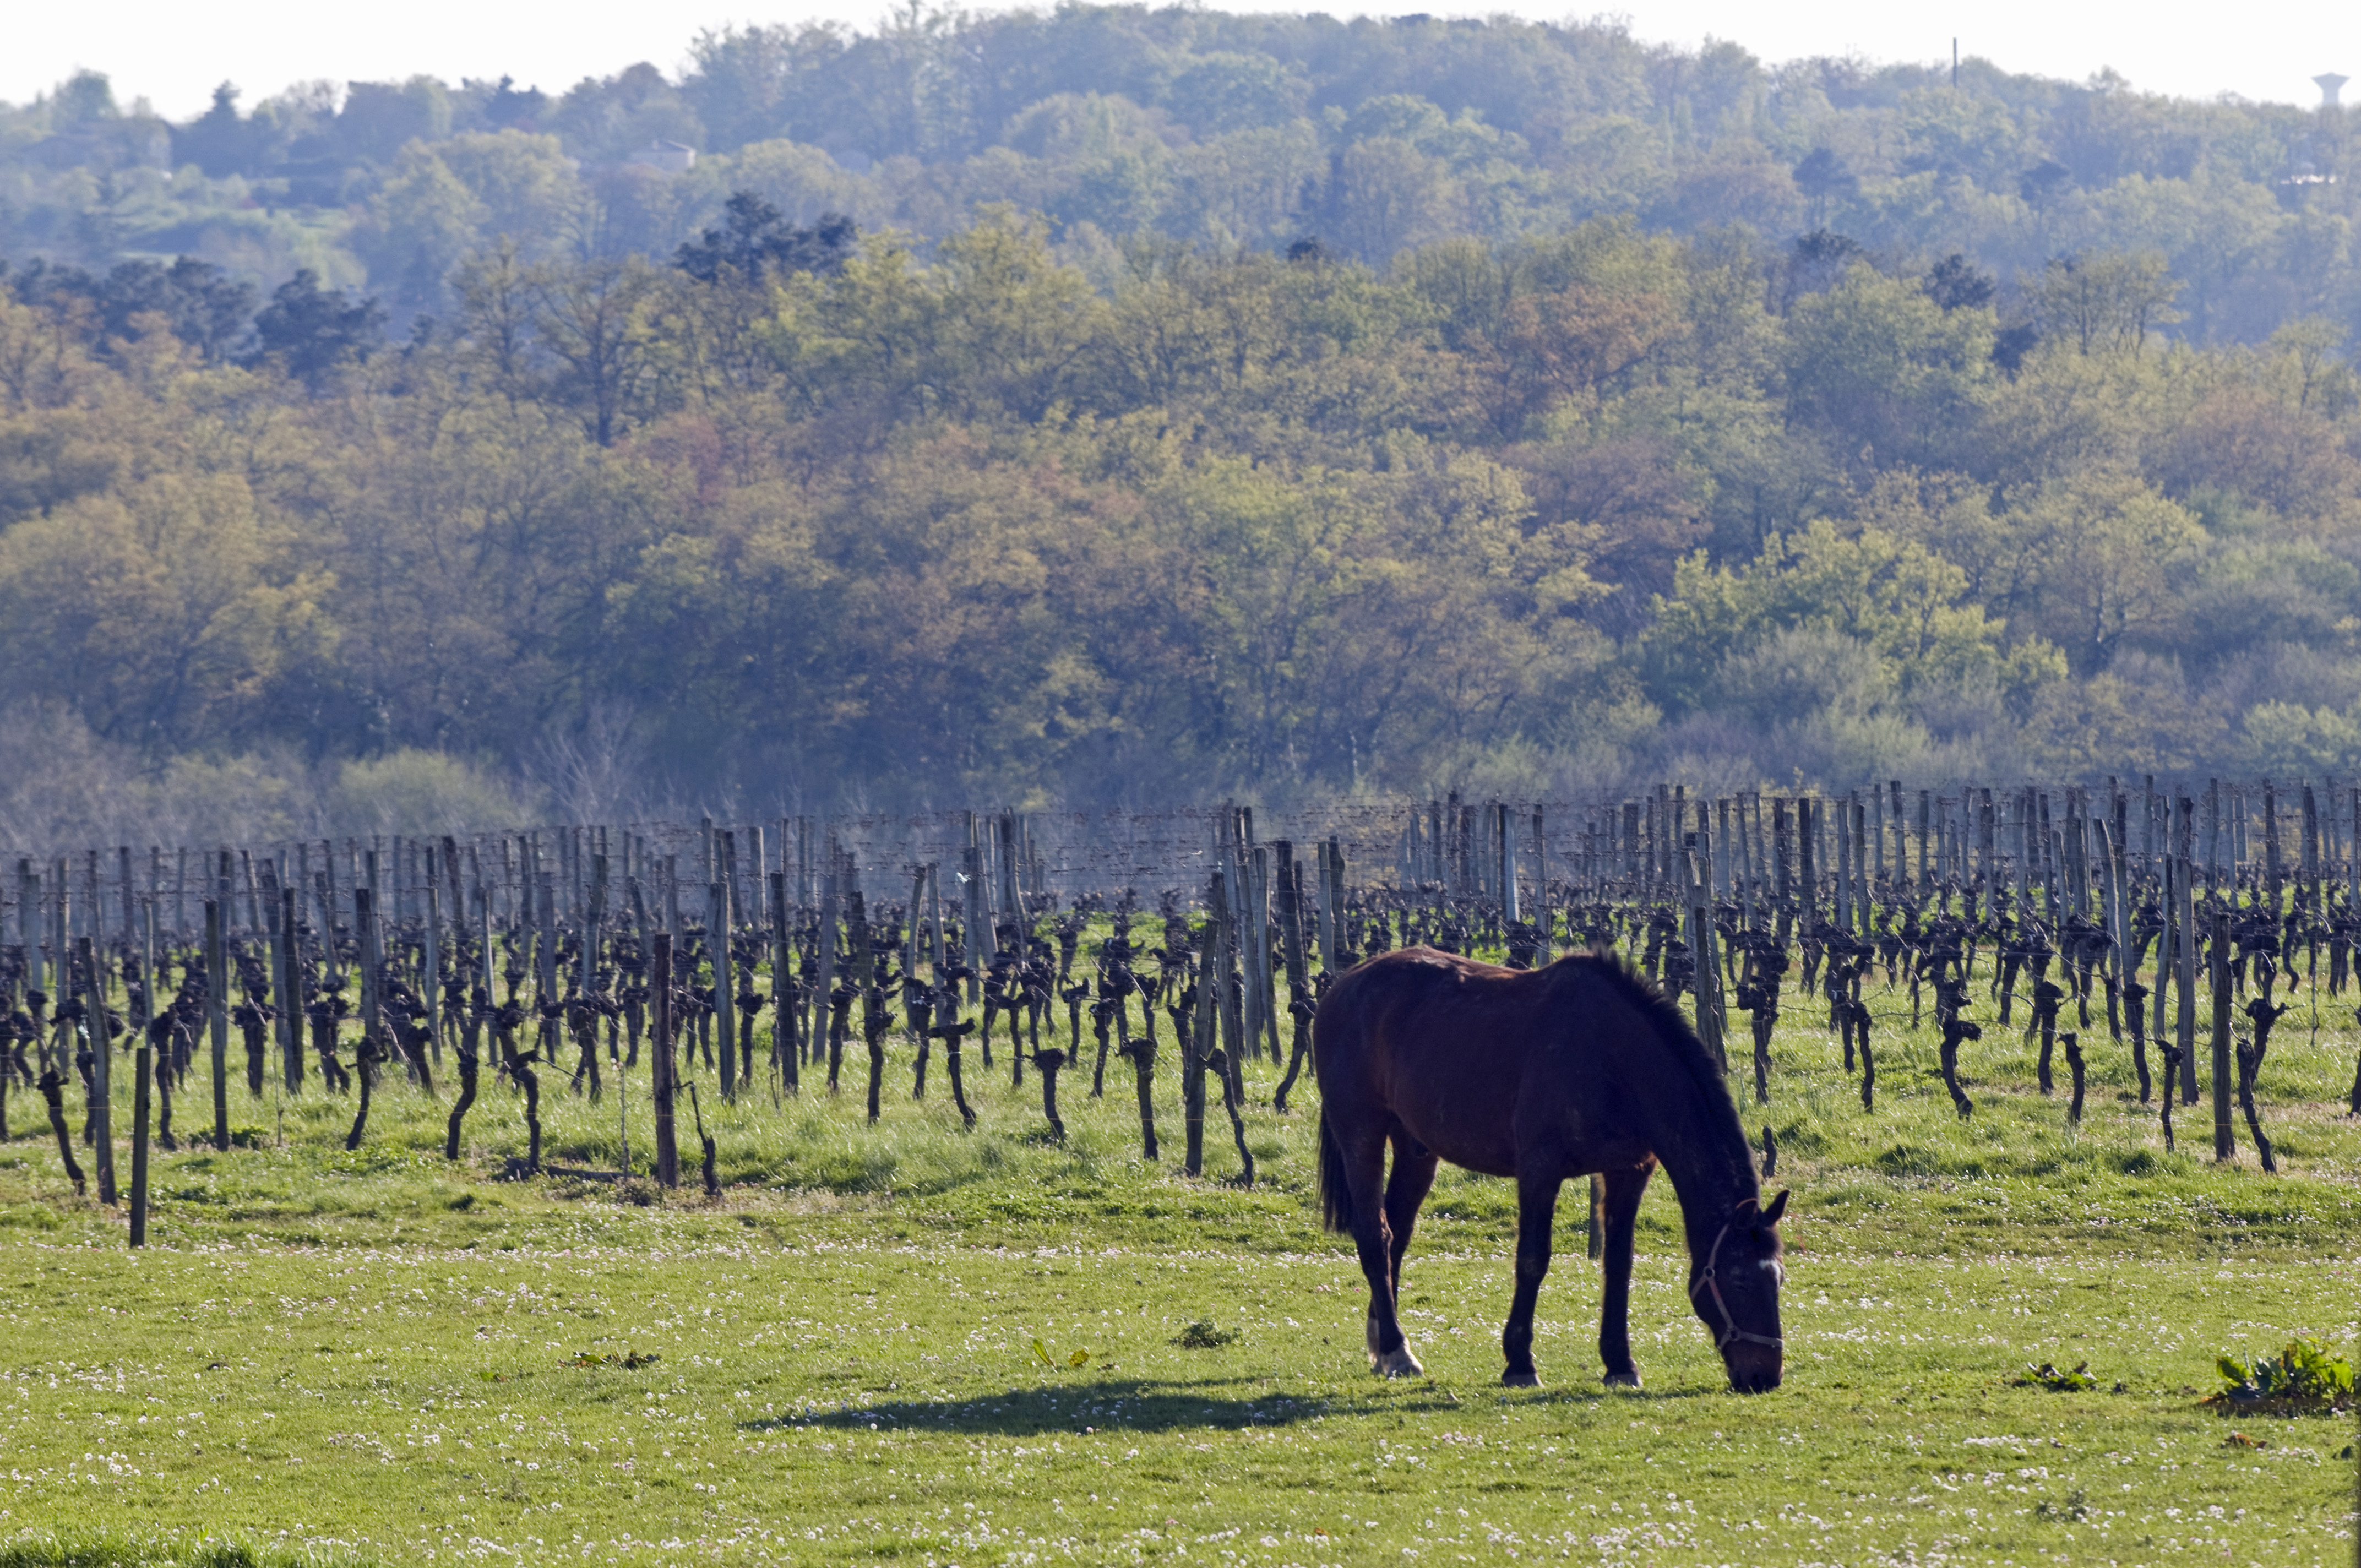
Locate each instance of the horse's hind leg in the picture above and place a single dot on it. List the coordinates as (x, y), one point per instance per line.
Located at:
(1406, 1189)
(1373, 1239)
(1623, 1191)
(1536, 1212)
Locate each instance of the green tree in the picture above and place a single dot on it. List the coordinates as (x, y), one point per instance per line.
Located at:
(1905, 603)
(1886, 371)
(421, 222)
(162, 615)
(2101, 304)
(2097, 555)
(589, 318)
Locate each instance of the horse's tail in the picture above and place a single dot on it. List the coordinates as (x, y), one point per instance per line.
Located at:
(1335, 1192)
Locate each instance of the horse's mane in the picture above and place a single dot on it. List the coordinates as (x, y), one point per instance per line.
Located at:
(1681, 1041)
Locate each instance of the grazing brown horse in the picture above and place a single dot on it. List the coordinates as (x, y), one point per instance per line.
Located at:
(1540, 1075)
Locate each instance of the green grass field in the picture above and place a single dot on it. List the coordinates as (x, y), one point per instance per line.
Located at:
(379, 1357)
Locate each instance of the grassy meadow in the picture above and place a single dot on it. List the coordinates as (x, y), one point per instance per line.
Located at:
(915, 1344)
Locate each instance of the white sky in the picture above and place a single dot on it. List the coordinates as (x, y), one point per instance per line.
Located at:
(173, 52)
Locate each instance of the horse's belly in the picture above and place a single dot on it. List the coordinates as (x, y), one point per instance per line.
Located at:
(1449, 1141)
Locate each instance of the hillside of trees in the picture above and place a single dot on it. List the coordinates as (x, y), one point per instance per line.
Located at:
(1213, 130)
(1679, 416)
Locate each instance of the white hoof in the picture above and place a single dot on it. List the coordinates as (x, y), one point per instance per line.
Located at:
(1400, 1364)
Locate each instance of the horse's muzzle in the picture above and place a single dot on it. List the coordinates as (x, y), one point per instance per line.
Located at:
(1752, 1370)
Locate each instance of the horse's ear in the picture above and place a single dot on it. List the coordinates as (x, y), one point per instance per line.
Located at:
(1778, 1207)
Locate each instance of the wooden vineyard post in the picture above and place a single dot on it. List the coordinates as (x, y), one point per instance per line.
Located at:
(864, 980)
(131, 925)
(2165, 966)
(2185, 1015)
(1987, 846)
(914, 1015)
(787, 1007)
(1504, 854)
(660, 1052)
(143, 1063)
(2111, 916)
(2309, 890)
(1843, 869)
(971, 919)
(2224, 1140)
(1807, 840)
(1546, 947)
(1290, 922)
(1198, 1046)
(822, 1039)
(2024, 854)
(102, 1074)
(2270, 847)
(2214, 835)
(291, 994)
(1231, 1041)
(217, 1018)
(1748, 867)
(1864, 889)
(1264, 980)
(1704, 976)
(430, 963)
(940, 956)
(1874, 825)
(365, 928)
(725, 1005)
(1332, 904)
(595, 993)
(1300, 1005)
(1337, 918)
(28, 922)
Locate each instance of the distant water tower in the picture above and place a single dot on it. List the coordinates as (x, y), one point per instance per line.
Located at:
(2330, 85)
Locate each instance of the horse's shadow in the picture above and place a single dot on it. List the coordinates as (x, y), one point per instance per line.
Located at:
(1161, 1405)
(1103, 1405)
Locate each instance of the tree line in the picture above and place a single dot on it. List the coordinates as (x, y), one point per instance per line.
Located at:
(1212, 129)
(805, 512)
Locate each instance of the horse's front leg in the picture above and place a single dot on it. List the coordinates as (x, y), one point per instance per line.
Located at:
(1536, 1214)
(1623, 1191)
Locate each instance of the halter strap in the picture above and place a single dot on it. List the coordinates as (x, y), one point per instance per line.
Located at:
(1730, 1333)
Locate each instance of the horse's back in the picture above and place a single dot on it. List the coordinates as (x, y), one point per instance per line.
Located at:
(1490, 1067)
(1446, 1047)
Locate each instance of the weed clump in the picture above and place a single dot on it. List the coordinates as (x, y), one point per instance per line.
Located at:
(2047, 1375)
(2304, 1379)
(1202, 1335)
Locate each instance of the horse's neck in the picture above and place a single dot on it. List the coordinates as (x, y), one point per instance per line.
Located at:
(1711, 1169)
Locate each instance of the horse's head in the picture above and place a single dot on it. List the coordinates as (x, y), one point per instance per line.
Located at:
(1734, 1286)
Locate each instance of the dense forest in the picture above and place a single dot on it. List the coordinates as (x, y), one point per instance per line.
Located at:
(1125, 406)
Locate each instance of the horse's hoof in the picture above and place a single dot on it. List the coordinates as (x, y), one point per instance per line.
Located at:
(1512, 1379)
(1400, 1364)
(1622, 1379)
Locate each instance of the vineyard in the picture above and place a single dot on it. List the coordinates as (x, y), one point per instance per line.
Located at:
(761, 954)
(947, 1071)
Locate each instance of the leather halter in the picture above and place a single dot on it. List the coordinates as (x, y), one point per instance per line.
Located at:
(1730, 1333)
